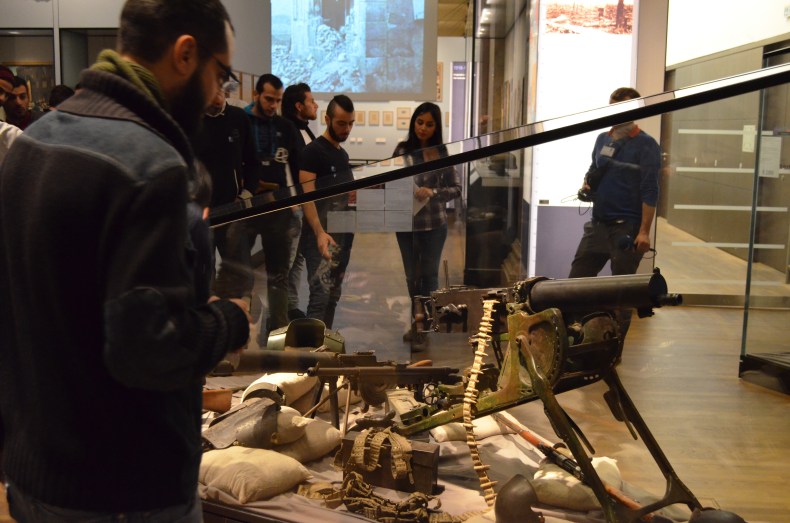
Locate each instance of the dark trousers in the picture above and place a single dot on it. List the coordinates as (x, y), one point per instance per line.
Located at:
(421, 252)
(604, 242)
(25, 509)
(276, 251)
(325, 280)
(234, 278)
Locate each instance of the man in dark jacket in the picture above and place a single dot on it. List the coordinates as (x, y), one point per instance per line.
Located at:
(225, 146)
(275, 144)
(102, 343)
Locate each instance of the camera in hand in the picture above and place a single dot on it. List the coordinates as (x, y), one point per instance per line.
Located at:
(593, 180)
(626, 243)
(584, 195)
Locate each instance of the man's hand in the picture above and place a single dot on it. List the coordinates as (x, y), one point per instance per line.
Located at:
(642, 243)
(323, 241)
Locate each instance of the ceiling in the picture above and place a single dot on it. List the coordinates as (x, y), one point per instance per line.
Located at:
(452, 16)
(494, 17)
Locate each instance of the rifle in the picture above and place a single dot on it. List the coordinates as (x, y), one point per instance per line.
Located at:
(366, 374)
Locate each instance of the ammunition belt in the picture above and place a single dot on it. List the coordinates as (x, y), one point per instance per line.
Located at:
(470, 400)
(359, 498)
(366, 452)
(323, 490)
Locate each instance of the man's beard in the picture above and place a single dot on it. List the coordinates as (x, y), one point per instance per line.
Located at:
(331, 130)
(261, 112)
(188, 107)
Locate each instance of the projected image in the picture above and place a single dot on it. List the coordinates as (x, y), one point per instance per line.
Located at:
(349, 46)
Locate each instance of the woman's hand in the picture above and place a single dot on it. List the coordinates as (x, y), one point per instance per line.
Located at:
(423, 193)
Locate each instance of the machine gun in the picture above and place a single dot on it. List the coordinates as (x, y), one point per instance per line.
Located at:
(545, 357)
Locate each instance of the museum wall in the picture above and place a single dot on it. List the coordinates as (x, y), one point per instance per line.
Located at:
(711, 169)
(370, 141)
(14, 49)
(703, 28)
(247, 16)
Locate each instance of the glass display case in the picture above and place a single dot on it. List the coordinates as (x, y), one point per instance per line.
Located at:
(704, 216)
(375, 311)
(725, 207)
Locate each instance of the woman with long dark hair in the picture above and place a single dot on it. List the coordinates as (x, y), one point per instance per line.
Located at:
(421, 248)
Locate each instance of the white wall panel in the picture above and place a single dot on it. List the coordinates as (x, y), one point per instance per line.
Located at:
(89, 13)
(702, 27)
(26, 14)
(250, 19)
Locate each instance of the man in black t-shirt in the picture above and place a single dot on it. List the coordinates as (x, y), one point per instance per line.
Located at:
(324, 163)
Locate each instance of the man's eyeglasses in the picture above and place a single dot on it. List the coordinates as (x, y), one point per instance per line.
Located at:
(229, 81)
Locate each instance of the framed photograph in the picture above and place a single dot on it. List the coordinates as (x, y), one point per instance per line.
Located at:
(251, 89)
(359, 118)
(385, 163)
(40, 78)
(373, 117)
(403, 124)
(447, 118)
(404, 112)
(386, 117)
(506, 104)
(238, 94)
(323, 114)
(398, 160)
(439, 76)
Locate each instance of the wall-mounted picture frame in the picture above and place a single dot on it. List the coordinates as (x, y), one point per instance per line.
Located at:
(439, 79)
(447, 118)
(387, 117)
(253, 80)
(398, 160)
(359, 118)
(238, 94)
(403, 124)
(404, 112)
(373, 117)
(385, 163)
(40, 77)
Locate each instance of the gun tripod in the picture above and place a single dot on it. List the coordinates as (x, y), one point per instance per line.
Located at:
(625, 411)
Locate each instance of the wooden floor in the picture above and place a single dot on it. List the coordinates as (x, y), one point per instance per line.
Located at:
(728, 440)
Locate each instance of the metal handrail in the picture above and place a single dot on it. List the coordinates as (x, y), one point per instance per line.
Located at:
(528, 136)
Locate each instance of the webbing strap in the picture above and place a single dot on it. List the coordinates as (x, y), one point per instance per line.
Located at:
(366, 452)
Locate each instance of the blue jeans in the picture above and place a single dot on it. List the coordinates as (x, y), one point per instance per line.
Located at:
(421, 252)
(325, 290)
(296, 259)
(25, 509)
